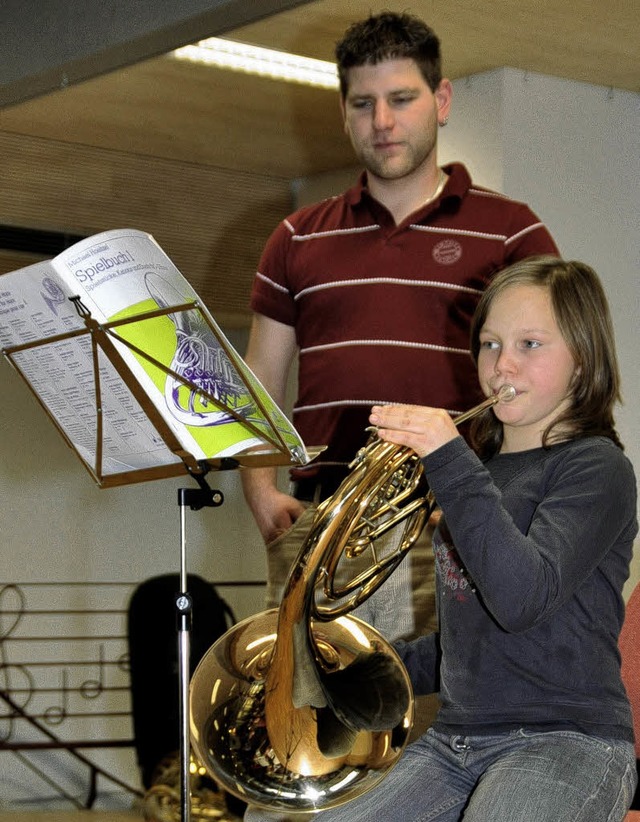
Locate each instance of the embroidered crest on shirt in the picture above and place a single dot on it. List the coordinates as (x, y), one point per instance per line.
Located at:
(447, 252)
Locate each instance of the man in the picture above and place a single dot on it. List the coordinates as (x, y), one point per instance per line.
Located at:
(374, 290)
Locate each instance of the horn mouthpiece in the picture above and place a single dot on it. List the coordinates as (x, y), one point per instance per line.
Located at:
(506, 393)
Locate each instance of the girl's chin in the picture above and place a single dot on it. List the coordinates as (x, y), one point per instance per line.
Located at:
(507, 416)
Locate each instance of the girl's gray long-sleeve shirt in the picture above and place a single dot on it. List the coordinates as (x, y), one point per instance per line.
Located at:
(532, 554)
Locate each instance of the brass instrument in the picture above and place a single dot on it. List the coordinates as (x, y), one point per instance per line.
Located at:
(162, 800)
(304, 708)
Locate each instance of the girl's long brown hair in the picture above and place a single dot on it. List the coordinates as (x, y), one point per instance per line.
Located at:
(582, 312)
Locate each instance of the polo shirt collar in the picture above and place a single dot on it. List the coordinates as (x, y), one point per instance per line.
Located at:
(457, 186)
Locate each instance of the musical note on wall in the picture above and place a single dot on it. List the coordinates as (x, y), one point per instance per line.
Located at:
(65, 691)
(64, 659)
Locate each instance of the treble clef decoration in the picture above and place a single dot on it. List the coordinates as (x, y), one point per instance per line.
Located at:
(16, 682)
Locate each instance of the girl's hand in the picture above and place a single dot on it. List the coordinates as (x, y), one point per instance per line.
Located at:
(421, 428)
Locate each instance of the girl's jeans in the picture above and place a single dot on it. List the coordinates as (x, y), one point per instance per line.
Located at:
(521, 776)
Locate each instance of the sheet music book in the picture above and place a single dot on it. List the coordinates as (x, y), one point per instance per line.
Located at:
(131, 366)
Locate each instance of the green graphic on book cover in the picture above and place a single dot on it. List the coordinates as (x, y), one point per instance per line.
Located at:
(184, 342)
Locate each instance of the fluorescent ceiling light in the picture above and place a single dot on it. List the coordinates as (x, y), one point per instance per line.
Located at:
(279, 65)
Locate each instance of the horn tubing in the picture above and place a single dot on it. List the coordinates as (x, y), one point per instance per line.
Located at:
(415, 511)
(305, 708)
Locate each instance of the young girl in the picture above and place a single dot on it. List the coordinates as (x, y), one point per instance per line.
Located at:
(532, 553)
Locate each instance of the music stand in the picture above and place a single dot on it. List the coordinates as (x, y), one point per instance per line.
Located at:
(195, 498)
(118, 362)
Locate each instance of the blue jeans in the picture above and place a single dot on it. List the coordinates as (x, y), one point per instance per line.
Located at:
(521, 776)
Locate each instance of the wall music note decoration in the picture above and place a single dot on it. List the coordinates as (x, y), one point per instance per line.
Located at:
(64, 684)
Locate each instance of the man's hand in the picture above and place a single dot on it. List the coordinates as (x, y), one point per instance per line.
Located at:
(270, 352)
(274, 511)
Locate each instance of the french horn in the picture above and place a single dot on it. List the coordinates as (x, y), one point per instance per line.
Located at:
(306, 707)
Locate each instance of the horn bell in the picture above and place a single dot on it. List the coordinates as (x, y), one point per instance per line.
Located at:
(259, 733)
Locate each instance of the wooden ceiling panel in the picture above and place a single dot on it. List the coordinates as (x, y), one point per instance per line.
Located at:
(176, 110)
(181, 111)
(582, 40)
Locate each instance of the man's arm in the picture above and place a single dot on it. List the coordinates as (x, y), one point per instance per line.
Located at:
(270, 352)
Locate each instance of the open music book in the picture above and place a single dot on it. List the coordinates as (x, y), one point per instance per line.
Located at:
(132, 368)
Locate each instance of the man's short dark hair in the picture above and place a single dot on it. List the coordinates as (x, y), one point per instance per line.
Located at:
(387, 36)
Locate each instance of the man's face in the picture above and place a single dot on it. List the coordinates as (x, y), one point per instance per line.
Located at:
(391, 117)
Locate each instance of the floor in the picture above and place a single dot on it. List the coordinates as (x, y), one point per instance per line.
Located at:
(68, 816)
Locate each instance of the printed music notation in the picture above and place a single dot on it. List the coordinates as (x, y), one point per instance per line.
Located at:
(64, 664)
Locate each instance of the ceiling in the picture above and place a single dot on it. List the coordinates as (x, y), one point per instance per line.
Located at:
(176, 110)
